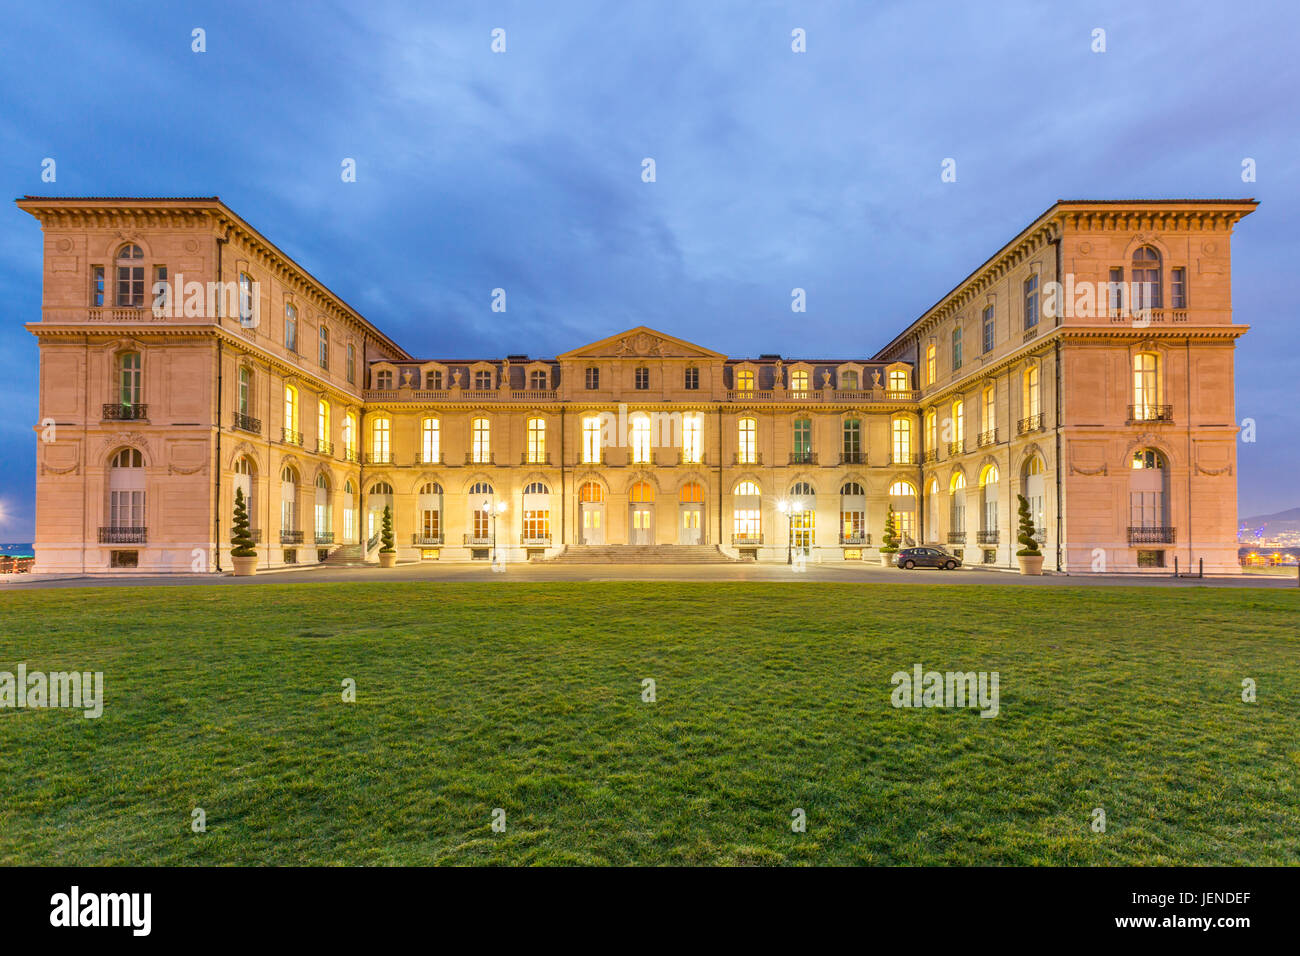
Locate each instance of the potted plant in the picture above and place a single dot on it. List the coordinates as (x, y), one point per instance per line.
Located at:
(241, 539)
(889, 540)
(1030, 558)
(387, 553)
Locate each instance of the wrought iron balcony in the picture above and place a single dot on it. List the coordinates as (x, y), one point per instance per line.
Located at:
(754, 459)
(698, 458)
(324, 447)
(489, 459)
(855, 540)
(803, 458)
(956, 448)
(1150, 413)
(426, 540)
(853, 458)
(746, 540)
(291, 537)
(423, 459)
(1032, 423)
(350, 454)
(908, 458)
(119, 412)
(478, 540)
(1147, 535)
(927, 457)
(290, 437)
(324, 537)
(535, 540)
(987, 537)
(956, 537)
(379, 458)
(542, 459)
(123, 535)
(984, 439)
(248, 423)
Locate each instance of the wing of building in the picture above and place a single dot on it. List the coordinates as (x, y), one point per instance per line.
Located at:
(1087, 365)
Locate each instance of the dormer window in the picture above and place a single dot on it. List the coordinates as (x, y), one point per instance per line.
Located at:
(384, 379)
(898, 381)
(849, 381)
(537, 380)
(483, 380)
(745, 380)
(433, 380)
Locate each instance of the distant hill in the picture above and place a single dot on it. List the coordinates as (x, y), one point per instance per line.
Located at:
(1282, 521)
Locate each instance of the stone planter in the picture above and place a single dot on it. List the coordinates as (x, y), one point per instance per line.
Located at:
(1030, 563)
(886, 559)
(244, 566)
(387, 559)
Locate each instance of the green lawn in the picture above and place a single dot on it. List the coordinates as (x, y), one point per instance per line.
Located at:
(770, 697)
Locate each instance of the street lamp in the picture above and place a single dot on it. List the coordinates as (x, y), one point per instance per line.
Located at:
(499, 509)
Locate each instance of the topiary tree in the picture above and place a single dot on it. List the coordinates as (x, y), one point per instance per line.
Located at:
(1028, 544)
(889, 540)
(241, 538)
(386, 532)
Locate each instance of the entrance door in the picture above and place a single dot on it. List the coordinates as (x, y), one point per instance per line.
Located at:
(593, 523)
(688, 530)
(642, 531)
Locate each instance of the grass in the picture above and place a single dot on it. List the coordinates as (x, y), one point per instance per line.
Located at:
(527, 697)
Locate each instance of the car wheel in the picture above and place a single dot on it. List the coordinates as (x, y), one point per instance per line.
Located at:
(951, 565)
(908, 565)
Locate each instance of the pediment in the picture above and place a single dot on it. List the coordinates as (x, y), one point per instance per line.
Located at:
(642, 342)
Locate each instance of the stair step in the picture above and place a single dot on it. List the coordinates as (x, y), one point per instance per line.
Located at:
(643, 554)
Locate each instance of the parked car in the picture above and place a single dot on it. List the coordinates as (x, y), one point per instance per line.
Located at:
(910, 558)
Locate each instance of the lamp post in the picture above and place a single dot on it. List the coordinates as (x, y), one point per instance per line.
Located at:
(498, 509)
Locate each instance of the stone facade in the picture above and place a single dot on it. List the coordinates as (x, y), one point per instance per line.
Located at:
(247, 372)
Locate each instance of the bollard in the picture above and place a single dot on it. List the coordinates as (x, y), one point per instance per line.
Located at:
(1175, 565)
(1200, 573)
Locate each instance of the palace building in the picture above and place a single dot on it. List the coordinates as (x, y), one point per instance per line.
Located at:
(1087, 365)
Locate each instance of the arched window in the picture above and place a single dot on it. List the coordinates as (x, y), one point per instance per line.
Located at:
(380, 497)
(747, 435)
(853, 514)
(1146, 278)
(691, 493)
(126, 502)
(291, 433)
(381, 448)
(747, 515)
(1149, 499)
(801, 489)
(431, 441)
(536, 453)
(1033, 483)
(129, 381)
(323, 511)
(243, 481)
(591, 440)
(591, 493)
(803, 516)
(537, 513)
(481, 488)
(902, 440)
(902, 497)
(1031, 403)
(642, 493)
(1146, 387)
(989, 499)
(957, 515)
(640, 437)
(288, 499)
(536, 488)
(958, 443)
(291, 327)
(350, 526)
(130, 276)
(931, 431)
(429, 504)
(899, 381)
(481, 441)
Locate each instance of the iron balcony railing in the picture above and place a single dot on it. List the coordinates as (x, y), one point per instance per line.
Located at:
(956, 537)
(1150, 413)
(853, 458)
(489, 459)
(426, 540)
(324, 447)
(291, 537)
(747, 459)
(535, 540)
(746, 540)
(1145, 535)
(119, 412)
(248, 423)
(855, 540)
(803, 458)
(542, 459)
(478, 540)
(324, 537)
(987, 537)
(956, 448)
(1031, 423)
(927, 457)
(350, 454)
(123, 535)
(696, 459)
(987, 438)
(290, 437)
(905, 458)
(379, 458)
(423, 459)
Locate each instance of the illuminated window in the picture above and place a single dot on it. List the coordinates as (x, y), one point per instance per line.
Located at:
(745, 380)
(902, 440)
(990, 407)
(1031, 397)
(930, 374)
(381, 432)
(898, 381)
(591, 440)
(747, 450)
(799, 384)
(692, 439)
(431, 441)
(1146, 385)
(959, 422)
(747, 518)
(536, 441)
(322, 424)
(902, 497)
(640, 438)
(290, 411)
(480, 441)
(931, 430)
(591, 492)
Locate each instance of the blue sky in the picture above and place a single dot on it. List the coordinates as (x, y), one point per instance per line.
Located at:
(522, 170)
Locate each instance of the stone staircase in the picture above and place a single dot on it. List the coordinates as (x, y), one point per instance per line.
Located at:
(643, 554)
(348, 556)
